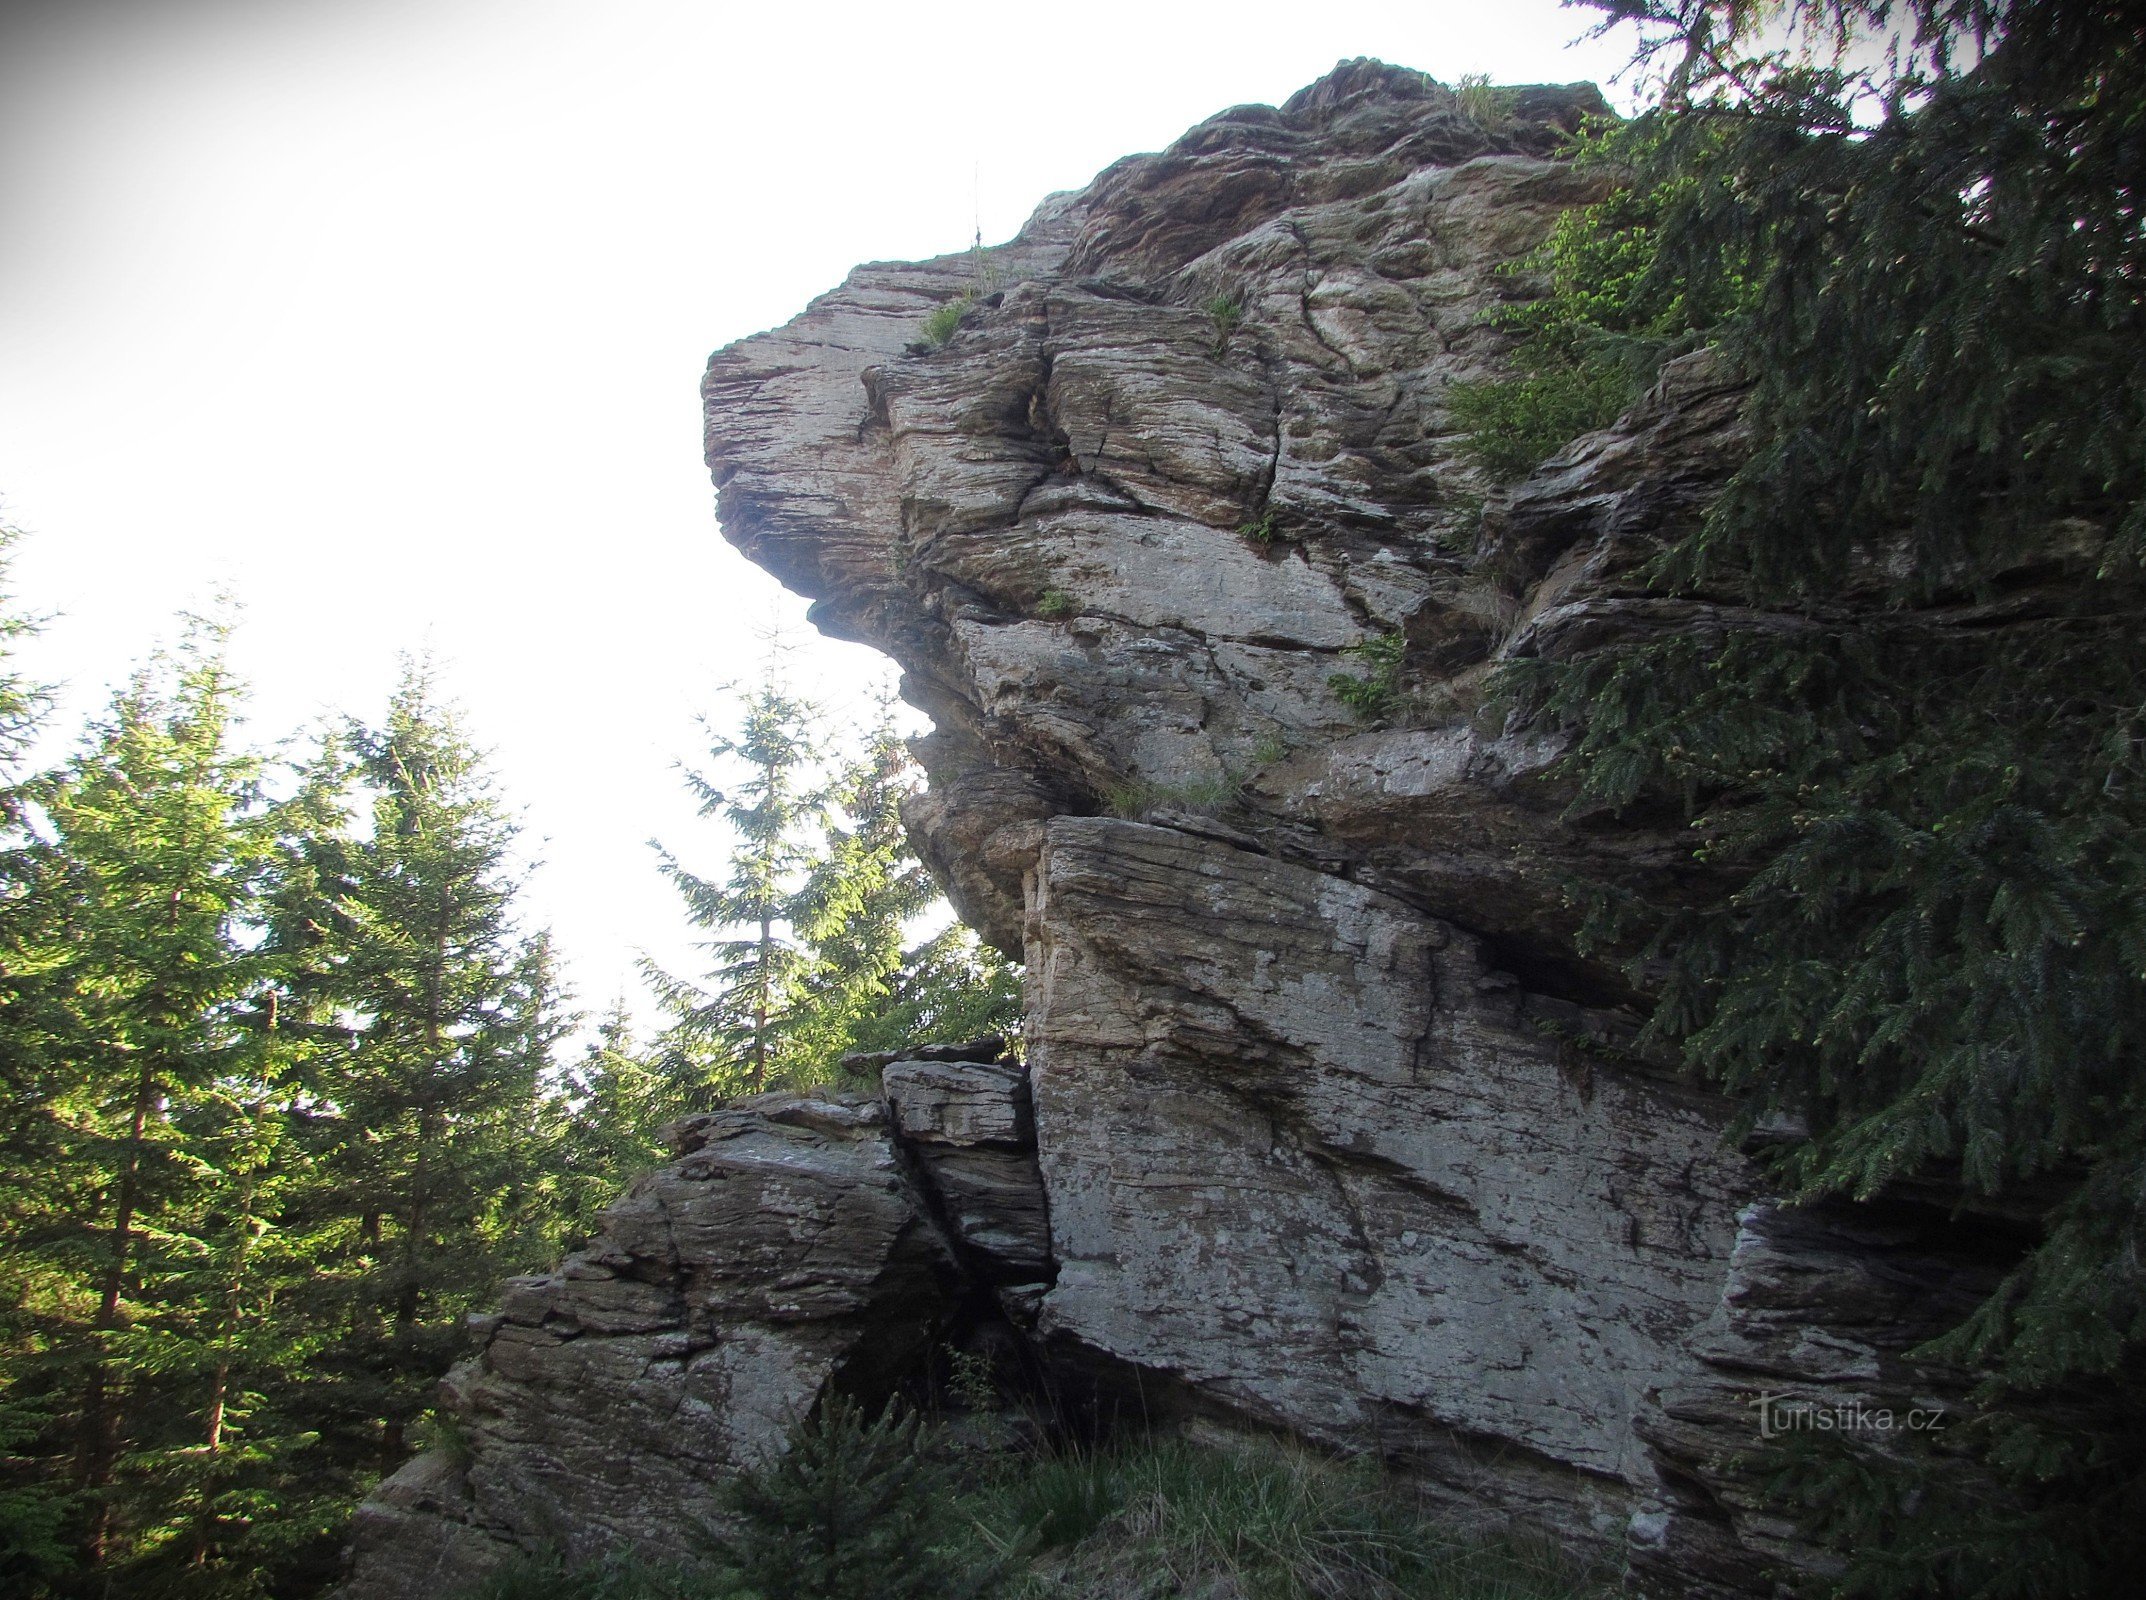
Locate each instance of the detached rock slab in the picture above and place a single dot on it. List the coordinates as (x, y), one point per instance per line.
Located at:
(969, 1124)
(415, 1536)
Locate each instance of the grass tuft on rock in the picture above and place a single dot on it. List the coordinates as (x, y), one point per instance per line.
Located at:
(1206, 795)
(945, 321)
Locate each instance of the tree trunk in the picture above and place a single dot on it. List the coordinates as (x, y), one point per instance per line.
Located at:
(212, 1422)
(100, 1407)
(409, 1295)
(761, 996)
(212, 1431)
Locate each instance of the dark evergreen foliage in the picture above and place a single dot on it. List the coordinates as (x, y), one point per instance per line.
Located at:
(736, 1030)
(851, 1510)
(1919, 753)
(225, 1019)
(814, 925)
(283, 1096)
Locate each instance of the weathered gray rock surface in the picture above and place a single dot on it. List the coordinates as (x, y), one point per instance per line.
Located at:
(1328, 1125)
(1311, 1151)
(786, 1248)
(970, 1128)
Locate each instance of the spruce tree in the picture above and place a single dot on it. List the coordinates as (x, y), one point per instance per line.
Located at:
(612, 1102)
(277, 1107)
(1930, 272)
(435, 1122)
(36, 1508)
(850, 1510)
(535, 1213)
(741, 1029)
(822, 910)
(951, 986)
(130, 999)
(864, 890)
(874, 986)
(24, 704)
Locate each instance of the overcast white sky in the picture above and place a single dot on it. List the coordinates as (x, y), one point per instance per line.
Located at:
(388, 316)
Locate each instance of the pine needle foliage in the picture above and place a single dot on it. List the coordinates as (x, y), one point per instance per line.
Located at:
(733, 1032)
(155, 1090)
(23, 703)
(1374, 693)
(268, 1086)
(851, 1510)
(455, 1016)
(864, 889)
(1933, 274)
(819, 929)
(1917, 1525)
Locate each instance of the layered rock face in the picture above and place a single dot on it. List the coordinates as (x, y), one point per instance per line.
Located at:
(1327, 1125)
(1311, 1152)
(794, 1244)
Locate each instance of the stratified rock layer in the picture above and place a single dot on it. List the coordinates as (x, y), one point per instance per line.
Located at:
(1311, 1151)
(786, 1248)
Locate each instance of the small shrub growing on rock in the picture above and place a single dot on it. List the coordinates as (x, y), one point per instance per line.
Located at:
(1511, 425)
(441, 1430)
(852, 1510)
(1226, 313)
(1374, 695)
(1055, 603)
(1262, 530)
(1489, 109)
(972, 1379)
(942, 324)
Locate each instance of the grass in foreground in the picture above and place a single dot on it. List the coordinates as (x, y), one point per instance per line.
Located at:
(1170, 1517)
(1158, 1518)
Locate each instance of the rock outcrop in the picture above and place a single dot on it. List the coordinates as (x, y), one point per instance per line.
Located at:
(789, 1247)
(1328, 1124)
